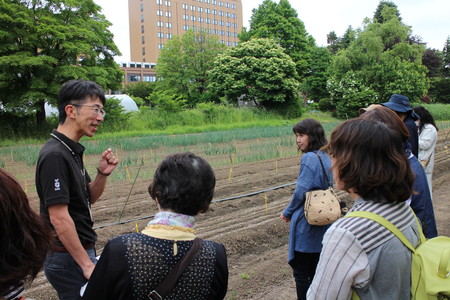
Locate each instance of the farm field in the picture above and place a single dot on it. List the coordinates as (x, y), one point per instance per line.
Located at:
(260, 167)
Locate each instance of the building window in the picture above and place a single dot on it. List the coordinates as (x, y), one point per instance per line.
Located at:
(169, 36)
(214, 12)
(220, 13)
(159, 13)
(228, 15)
(159, 24)
(221, 23)
(228, 33)
(207, 1)
(160, 46)
(234, 25)
(160, 35)
(133, 77)
(208, 30)
(235, 43)
(220, 3)
(185, 17)
(215, 22)
(149, 78)
(185, 6)
(228, 43)
(142, 18)
(235, 34)
(169, 25)
(215, 31)
(222, 33)
(142, 7)
(233, 6)
(234, 16)
(222, 42)
(200, 9)
(227, 5)
(159, 2)
(200, 20)
(228, 24)
(143, 50)
(208, 21)
(167, 3)
(207, 10)
(185, 27)
(214, 2)
(193, 7)
(143, 39)
(168, 14)
(142, 28)
(192, 18)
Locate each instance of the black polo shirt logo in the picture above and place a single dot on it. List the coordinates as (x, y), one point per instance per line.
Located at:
(57, 185)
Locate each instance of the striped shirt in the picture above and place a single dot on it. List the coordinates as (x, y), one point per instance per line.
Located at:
(360, 253)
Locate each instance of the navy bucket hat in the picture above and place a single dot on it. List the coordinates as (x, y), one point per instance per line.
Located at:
(398, 103)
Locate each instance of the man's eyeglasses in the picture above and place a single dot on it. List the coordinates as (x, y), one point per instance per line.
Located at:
(96, 109)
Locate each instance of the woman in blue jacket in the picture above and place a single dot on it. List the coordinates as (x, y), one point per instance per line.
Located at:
(305, 240)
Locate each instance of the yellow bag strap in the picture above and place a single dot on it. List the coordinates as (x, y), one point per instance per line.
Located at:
(388, 225)
(444, 268)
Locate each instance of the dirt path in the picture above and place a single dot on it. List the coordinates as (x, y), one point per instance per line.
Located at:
(249, 227)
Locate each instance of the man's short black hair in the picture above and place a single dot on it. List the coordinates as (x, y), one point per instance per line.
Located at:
(183, 183)
(76, 91)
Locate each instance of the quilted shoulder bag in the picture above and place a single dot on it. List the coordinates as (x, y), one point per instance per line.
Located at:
(322, 207)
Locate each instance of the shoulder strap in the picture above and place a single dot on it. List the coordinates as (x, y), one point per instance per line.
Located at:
(171, 279)
(324, 172)
(388, 225)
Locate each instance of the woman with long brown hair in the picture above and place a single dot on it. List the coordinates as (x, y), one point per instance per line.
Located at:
(24, 239)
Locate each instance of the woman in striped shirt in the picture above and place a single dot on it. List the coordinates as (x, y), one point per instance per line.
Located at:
(359, 254)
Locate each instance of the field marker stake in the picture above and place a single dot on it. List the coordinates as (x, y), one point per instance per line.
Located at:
(265, 201)
(276, 166)
(137, 227)
(231, 172)
(128, 173)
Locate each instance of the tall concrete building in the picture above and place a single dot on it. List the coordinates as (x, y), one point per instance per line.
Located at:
(154, 22)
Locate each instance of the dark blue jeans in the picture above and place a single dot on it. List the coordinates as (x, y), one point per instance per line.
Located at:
(304, 266)
(65, 275)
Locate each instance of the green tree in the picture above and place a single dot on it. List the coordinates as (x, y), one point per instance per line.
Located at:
(279, 21)
(315, 83)
(432, 59)
(382, 57)
(140, 91)
(378, 15)
(259, 71)
(446, 58)
(184, 62)
(45, 43)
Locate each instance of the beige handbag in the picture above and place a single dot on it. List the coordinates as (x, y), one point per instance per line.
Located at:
(322, 207)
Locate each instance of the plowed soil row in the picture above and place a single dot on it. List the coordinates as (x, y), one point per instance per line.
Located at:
(249, 227)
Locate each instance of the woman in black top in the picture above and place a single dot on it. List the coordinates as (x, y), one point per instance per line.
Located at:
(133, 265)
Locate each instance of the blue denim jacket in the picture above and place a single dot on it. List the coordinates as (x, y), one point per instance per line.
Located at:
(302, 236)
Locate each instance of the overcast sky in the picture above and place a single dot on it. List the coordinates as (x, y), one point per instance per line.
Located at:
(429, 19)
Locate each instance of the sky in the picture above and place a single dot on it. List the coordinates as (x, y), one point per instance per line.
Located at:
(429, 19)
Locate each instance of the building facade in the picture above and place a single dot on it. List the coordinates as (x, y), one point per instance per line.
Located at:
(154, 22)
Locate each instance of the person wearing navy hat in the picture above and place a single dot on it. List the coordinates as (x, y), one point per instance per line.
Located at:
(400, 104)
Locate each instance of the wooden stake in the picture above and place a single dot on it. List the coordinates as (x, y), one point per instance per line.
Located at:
(231, 172)
(137, 227)
(276, 166)
(265, 201)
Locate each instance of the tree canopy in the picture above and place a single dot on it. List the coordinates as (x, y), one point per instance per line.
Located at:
(46, 43)
(184, 62)
(383, 60)
(280, 22)
(257, 70)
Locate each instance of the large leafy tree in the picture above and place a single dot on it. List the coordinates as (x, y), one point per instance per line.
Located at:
(259, 71)
(384, 60)
(45, 43)
(279, 21)
(184, 62)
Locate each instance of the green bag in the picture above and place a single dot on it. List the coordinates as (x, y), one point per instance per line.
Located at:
(430, 267)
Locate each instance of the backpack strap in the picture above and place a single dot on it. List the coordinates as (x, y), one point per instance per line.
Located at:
(389, 226)
(330, 184)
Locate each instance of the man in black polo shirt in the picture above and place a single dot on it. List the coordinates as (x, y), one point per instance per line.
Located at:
(66, 191)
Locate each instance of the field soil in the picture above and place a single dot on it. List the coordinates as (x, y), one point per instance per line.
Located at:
(250, 228)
